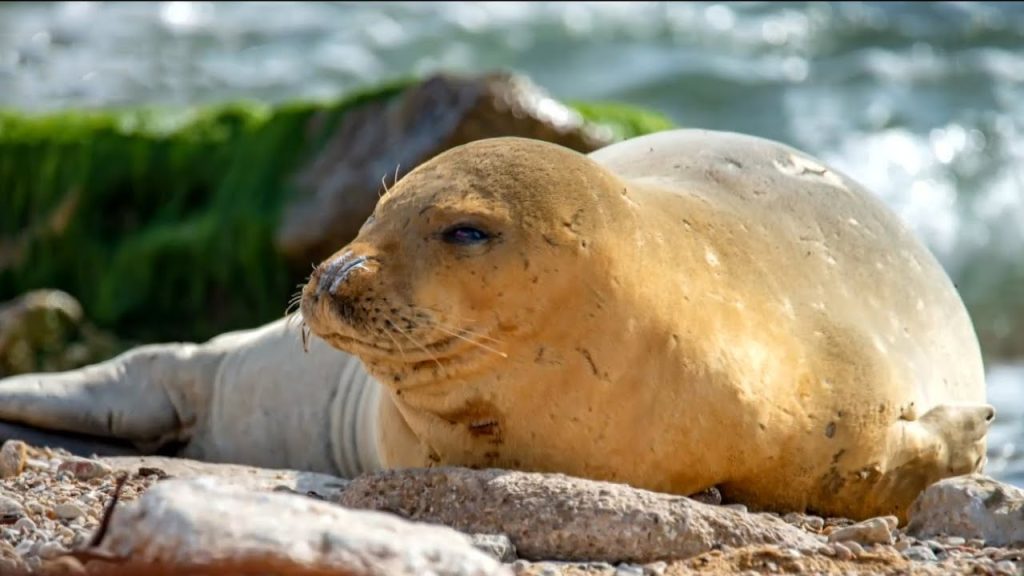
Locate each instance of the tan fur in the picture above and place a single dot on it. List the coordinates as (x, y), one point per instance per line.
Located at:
(677, 311)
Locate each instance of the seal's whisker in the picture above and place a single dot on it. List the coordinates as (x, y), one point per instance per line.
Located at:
(395, 342)
(304, 329)
(473, 342)
(464, 332)
(395, 181)
(460, 319)
(420, 346)
(442, 313)
(384, 183)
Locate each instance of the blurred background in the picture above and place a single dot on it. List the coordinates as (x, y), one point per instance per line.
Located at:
(921, 102)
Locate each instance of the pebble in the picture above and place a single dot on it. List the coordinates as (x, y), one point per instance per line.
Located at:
(902, 544)
(497, 545)
(10, 509)
(854, 547)
(24, 547)
(955, 541)
(815, 523)
(1006, 567)
(976, 543)
(51, 550)
(873, 531)
(790, 553)
(629, 570)
(919, 553)
(737, 507)
(12, 458)
(25, 525)
(67, 511)
(84, 469)
(842, 552)
(655, 569)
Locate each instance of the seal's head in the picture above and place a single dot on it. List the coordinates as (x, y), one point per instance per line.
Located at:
(463, 258)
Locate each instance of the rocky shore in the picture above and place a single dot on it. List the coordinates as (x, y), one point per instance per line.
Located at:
(60, 513)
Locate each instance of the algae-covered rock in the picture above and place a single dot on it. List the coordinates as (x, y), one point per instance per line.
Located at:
(46, 330)
(162, 223)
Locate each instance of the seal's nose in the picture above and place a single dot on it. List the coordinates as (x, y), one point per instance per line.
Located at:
(336, 271)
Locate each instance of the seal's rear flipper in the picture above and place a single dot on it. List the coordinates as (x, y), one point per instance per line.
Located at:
(146, 397)
(962, 430)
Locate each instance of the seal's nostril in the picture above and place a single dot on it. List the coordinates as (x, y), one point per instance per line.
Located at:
(336, 272)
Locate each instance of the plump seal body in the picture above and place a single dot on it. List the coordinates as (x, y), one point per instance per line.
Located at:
(677, 311)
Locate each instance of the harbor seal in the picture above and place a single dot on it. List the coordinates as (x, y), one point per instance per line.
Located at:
(677, 311)
(682, 310)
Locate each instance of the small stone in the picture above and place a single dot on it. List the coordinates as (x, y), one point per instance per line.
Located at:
(854, 547)
(815, 523)
(84, 468)
(790, 553)
(67, 511)
(902, 544)
(976, 543)
(655, 569)
(842, 552)
(36, 464)
(10, 510)
(737, 507)
(793, 518)
(497, 545)
(51, 550)
(954, 541)
(1006, 567)
(919, 554)
(520, 566)
(24, 547)
(25, 525)
(12, 458)
(36, 508)
(873, 531)
(629, 570)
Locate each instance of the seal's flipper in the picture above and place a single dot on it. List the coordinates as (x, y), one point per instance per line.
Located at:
(961, 429)
(78, 444)
(147, 396)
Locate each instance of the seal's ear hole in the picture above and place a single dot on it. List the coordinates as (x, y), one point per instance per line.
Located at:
(990, 415)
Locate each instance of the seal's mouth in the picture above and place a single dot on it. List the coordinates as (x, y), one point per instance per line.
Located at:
(391, 350)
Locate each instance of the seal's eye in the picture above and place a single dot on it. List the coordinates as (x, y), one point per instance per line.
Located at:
(462, 235)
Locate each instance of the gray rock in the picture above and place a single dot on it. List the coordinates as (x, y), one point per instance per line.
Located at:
(497, 545)
(919, 553)
(872, 531)
(553, 516)
(971, 507)
(210, 525)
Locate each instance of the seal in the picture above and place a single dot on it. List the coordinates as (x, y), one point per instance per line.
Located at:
(678, 311)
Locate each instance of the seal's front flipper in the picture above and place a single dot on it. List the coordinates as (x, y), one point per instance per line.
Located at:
(146, 397)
